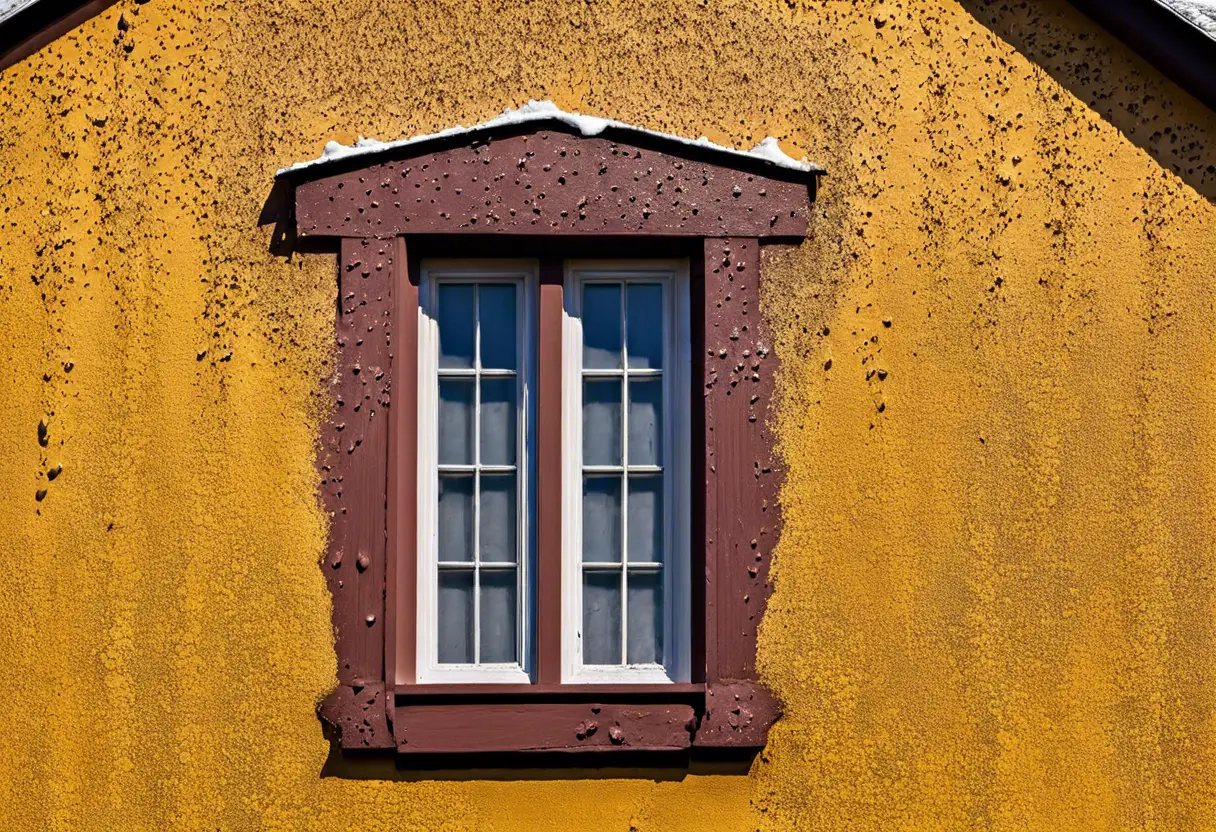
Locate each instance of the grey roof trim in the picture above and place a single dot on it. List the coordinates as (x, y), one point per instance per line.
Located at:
(1199, 13)
(8, 8)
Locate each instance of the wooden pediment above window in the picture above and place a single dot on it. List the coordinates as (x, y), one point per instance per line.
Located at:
(521, 255)
(542, 171)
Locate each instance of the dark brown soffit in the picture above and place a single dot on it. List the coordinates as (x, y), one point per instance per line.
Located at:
(552, 181)
(1180, 49)
(38, 24)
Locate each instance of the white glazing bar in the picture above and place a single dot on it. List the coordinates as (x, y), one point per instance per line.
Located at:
(624, 474)
(464, 564)
(469, 469)
(640, 372)
(476, 474)
(467, 372)
(616, 469)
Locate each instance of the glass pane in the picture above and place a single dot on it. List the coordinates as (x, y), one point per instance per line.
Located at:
(498, 530)
(455, 421)
(455, 616)
(644, 312)
(601, 617)
(645, 519)
(645, 638)
(602, 422)
(498, 626)
(602, 326)
(455, 518)
(498, 408)
(455, 325)
(496, 310)
(602, 519)
(646, 422)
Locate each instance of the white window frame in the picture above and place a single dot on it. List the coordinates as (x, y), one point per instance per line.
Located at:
(677, 371)
(428, 668)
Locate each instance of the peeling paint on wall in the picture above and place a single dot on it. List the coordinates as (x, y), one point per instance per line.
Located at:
(994, 583)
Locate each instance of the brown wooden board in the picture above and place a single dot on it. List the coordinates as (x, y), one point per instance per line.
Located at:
(549, 474)
(742, 517)
(402, 521)
(737, 715)
(617, 692)
(358, 714)
(463, 728)
(353, 464)
(550, 182)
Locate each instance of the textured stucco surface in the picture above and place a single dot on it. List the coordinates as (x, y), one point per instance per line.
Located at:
(994, 603)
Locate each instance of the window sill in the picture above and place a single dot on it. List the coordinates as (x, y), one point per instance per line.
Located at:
(449, 692)
(480, 719)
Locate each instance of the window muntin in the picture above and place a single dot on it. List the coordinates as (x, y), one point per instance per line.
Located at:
(626, 599)
(475, 483)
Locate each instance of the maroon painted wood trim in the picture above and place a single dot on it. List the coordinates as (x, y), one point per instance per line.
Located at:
(697, 564)
(737, 715)
(554, 183)
(402, 572)
(549, 476)
(374, 505)
(639, 693)
(738, 507)
(577, 727)
(353, 464)
(742, 480)
(33, 28)
(359, 714)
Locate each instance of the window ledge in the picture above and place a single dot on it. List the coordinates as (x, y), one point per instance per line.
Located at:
(462, 692)
(496, 719)
(478, 719)
(472, 720)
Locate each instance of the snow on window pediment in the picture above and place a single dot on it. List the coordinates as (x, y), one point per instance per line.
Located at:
(539, 112)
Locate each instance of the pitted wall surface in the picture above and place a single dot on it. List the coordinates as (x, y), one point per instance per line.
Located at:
(994, 583)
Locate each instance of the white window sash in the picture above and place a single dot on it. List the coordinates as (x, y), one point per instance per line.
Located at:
(428, 668)
(676, 373)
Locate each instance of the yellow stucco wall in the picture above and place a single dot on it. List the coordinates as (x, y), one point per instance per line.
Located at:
(995, 598)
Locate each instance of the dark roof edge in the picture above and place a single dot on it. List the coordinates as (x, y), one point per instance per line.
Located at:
(1174, 45)
(38, 24)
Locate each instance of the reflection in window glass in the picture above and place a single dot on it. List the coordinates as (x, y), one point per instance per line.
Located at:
(478, 532)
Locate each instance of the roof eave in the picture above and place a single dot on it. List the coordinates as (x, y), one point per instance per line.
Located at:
(1174, 45)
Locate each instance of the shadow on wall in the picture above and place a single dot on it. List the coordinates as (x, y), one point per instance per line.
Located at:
(1146, 107)
(538, 766)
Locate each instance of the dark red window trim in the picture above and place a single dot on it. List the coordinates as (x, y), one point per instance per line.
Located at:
(510, 196)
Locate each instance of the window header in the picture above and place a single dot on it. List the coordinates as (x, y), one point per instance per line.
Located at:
(538, 114)
(544, 176)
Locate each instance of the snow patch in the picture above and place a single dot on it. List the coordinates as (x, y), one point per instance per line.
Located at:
(8, 8)
(1199, 13)
(534, 111)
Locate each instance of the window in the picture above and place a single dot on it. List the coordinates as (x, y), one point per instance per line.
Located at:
(551, 480)
(626, 591)
(626, 596)
(475, 480)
